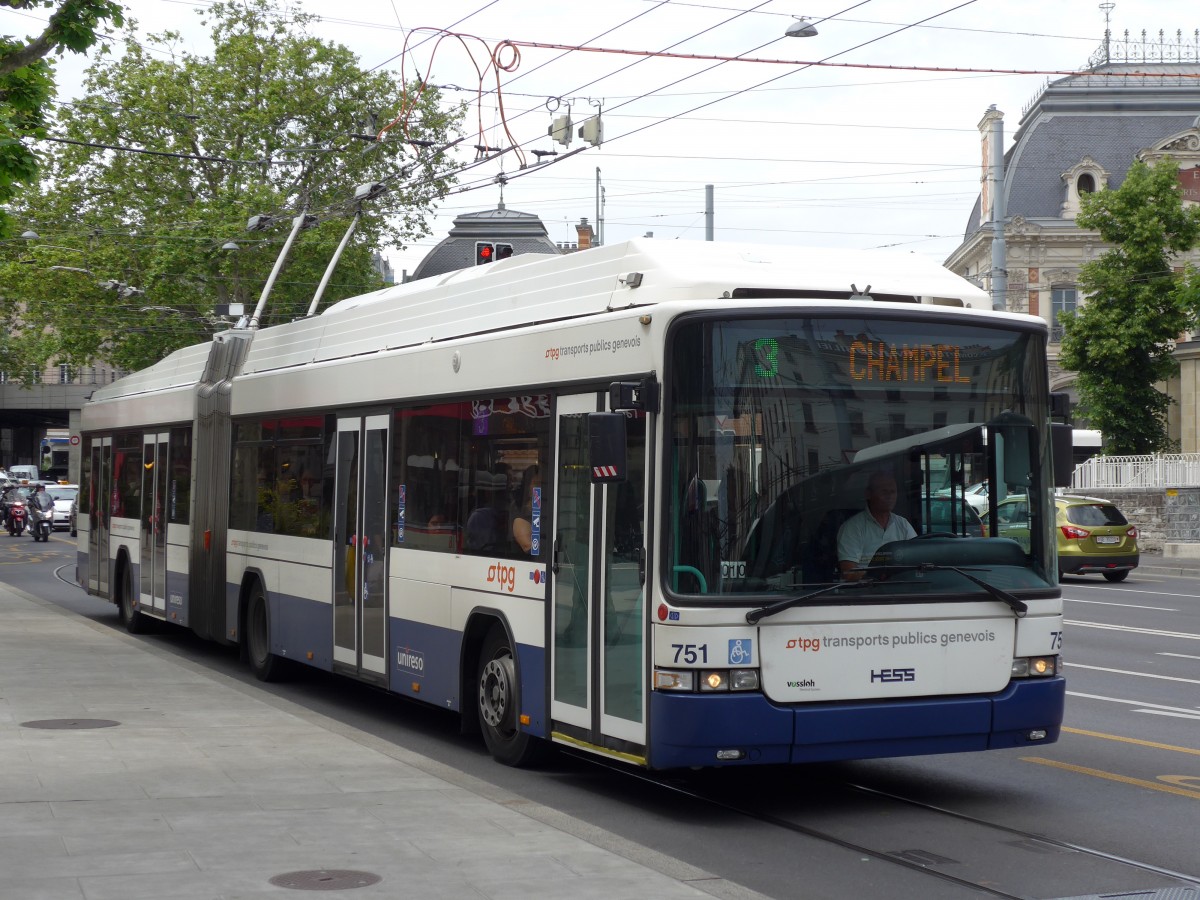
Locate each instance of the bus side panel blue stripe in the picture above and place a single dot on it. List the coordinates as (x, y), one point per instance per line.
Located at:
(300, 626)
(429, 655)
(532, 672)
(177, 587)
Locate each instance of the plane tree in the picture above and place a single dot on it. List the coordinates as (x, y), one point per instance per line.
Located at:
(1139, 300)
(167, 156)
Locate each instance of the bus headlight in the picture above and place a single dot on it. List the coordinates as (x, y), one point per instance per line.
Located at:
(1035, 666)
(743, 679)
(706, 681)
(674, 680)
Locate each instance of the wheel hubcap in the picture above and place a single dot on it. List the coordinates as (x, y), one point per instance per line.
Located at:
(495, 690)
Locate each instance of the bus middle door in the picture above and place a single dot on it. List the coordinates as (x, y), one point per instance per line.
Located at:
(598, 648)
(360, 545)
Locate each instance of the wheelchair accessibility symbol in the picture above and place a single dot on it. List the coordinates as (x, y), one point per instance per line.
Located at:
(741, 651)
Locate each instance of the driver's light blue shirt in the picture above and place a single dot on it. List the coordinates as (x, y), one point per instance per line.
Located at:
(860, 536)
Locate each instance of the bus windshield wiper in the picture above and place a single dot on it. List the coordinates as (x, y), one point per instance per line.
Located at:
(1015, 603)
(755, 615)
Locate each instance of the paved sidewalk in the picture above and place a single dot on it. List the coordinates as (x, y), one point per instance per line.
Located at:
(1175, 565)
(207, 788)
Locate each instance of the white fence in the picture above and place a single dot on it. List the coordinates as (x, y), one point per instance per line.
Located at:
(1159, 471)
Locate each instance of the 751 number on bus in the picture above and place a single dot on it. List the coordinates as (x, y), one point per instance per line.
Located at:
(690, 654)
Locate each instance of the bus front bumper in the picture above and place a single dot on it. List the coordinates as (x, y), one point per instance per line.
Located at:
(700, 730)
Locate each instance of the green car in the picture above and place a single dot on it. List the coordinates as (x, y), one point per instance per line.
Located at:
(1093, 535)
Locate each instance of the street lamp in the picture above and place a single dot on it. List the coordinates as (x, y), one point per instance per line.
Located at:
(802, 27)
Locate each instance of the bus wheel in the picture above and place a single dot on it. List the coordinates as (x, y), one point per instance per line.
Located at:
(265, 664)
(134, 621)
(499, 701)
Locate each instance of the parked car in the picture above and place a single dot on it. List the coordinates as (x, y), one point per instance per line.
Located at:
(938, 515)
(1093, 536)
(64, 496)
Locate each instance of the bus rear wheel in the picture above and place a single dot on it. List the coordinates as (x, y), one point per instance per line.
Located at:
(131, 617)
(265, 665)
(498, 700)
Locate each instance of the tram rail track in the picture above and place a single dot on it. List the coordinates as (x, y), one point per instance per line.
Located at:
(1088, 871)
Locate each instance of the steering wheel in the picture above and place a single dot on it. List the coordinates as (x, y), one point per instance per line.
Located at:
(935, 534)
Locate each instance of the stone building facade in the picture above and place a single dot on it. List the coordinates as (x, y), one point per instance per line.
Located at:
(1081, 134)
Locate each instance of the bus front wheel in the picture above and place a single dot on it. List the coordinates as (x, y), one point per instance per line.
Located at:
(498, 700)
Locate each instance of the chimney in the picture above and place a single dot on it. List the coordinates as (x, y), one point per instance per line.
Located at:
(587, 237)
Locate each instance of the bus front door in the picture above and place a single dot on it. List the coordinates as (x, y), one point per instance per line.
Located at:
(99, 512)
(360, 547)
(153, 567)
(598, 654)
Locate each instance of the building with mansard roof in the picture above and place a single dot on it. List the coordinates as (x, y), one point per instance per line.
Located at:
(1137, 100)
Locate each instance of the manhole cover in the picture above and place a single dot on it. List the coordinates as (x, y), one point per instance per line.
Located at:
(325, 880)
(70, 723)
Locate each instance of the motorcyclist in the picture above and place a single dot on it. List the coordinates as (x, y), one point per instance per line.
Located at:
(40, 500)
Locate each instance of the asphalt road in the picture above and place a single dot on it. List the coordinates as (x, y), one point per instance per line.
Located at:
(1065, 820)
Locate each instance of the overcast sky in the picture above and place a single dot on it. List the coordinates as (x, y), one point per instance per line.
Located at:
(845, 157)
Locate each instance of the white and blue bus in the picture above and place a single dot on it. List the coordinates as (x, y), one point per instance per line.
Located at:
(593, 500)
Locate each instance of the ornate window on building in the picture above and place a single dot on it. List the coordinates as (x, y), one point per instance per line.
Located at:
(1085, 177)
(1063, 299)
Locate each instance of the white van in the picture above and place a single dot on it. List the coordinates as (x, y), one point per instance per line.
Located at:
(23, 473)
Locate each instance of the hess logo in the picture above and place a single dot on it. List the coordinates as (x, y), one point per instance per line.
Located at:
(504, 576)
(889, 676)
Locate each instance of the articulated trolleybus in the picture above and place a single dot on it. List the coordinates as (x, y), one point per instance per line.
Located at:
(594, 500)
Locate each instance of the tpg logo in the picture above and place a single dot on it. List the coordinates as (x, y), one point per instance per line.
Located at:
(893, 675)
(505, 576)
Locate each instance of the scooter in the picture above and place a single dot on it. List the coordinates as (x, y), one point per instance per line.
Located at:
(41, 523)
(17, 518)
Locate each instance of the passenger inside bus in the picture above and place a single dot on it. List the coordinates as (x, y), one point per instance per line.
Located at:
(863, 534)
(487, 526)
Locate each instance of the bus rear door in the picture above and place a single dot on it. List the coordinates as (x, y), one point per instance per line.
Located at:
(598, 652)
(360, 547)
(153, 568)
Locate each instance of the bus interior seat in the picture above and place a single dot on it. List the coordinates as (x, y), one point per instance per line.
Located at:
(821, 562)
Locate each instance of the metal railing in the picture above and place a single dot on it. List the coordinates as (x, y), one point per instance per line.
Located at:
(1153, 472)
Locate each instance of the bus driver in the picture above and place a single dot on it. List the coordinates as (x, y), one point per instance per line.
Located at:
(864, 533)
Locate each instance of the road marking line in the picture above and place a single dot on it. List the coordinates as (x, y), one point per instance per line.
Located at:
(1179, 655)
(1138, 674)
(1113, 776)
(1109, 590)
(1158, 712)
(1128, 740)
(1177, 709)
(1123, 605)
(1131, 630)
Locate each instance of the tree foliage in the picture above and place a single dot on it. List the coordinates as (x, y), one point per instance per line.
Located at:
(274, 121)
(27, 82)
(1121, 340)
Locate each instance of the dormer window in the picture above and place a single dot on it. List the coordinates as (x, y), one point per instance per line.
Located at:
(1085, 177)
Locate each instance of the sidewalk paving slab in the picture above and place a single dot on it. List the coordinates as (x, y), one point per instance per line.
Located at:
(208, 788)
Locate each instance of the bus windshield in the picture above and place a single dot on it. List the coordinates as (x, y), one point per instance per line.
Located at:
(807, 452)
